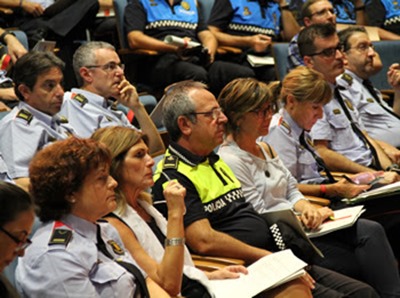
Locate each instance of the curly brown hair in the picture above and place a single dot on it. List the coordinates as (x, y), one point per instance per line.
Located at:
(59, 170)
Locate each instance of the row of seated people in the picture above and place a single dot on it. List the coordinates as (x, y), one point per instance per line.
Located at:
(71, 240)
(196, 126)
(219, 132)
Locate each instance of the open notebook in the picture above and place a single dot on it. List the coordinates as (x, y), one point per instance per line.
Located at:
(376, 193)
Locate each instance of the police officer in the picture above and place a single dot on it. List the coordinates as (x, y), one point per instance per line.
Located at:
(103, 85)
(34, 122)
(378, 117)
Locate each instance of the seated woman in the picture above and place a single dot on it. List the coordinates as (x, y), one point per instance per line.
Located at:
(16, 220)
(145, 231)
(73, 254)
(361, 251)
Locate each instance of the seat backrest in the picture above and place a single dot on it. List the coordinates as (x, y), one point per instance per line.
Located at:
(389, 52)
(280, 54)
(119, 9)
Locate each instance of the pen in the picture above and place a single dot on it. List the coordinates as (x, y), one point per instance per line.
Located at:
(349, 179)
(338, 218)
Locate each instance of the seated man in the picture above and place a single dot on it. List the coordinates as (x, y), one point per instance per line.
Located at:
(252, 26)
(100, 73)
(379, 119)
(34, 122)
(218, 221)
(148, 23)
(322, 12)
(340, 137)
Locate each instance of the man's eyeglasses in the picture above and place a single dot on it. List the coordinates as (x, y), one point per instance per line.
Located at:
(324, 12)
(21, 244)
(363, 48)
(214, 113)
(329, 52)
(108, 67)
(263, 113)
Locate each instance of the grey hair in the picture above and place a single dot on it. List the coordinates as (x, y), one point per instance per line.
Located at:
(177, 102)
(85, 55)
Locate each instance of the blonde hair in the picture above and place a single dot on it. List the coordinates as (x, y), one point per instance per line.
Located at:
(241, 96)
(305, 84)
(118, 140)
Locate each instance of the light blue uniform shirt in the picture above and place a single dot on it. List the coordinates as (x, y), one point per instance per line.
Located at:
(378, 123)
(25, 132)
(276, 191)
(88, 116)
(4, 170)
(335, 128)
(75, 269)
(284, 137)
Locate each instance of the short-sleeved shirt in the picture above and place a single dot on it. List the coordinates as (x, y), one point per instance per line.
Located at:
(158, 19)
(384, 13)
(267, 184)
(335, 128)
(75, 268)
(242, 17)
(213, 193)
(87, 112)
(345, 12)
(378, 122)
(4, 176)
(26, 130)
(284, 137)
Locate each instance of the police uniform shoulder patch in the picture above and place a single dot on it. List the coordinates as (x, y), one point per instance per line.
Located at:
(336, 111)
(61, 235)
(286, 125)
(63, 119)
(115, 247)
(170, 162)
(81, 99)
(25, 115)
(347, 78)
(185, 5)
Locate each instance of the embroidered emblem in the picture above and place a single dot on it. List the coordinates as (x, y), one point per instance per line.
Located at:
(171, 162)
(337, 111)
(370, 100)
(246, 11)
(309, 141)
(63, 119)
(185, 5)
(115, 247)
(347, 78)
(25, 115)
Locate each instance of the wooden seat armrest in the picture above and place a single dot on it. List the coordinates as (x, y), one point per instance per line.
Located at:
(137, 52)
(208, 263)
(227, 49)
(318, 200)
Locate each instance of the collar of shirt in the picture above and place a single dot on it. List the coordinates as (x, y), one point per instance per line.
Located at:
(92, 98)
(43, 117)
(189, 157)
(81, 226)
(295, 129)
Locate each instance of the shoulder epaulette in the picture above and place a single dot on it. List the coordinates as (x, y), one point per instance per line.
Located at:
(25, 115)
(286, 125)
(81, 99)
(347, 78)
(170, 162)
(61, 234)
(309, 140)
(63, 119)
(348, 104)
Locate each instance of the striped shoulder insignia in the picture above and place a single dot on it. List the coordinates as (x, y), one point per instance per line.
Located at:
(170, 162)
(286, 126)
(80, 98)
(61, 234)
(63, 119)
(25, 115)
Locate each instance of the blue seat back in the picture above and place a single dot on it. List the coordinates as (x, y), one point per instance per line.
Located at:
(119, 9)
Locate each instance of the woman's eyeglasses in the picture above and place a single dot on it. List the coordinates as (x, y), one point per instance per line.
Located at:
(21, 244)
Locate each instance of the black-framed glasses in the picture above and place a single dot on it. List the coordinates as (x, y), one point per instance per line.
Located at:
(263, 113)
(329, 52)
(108, 67)
(363, 48)
(214, 113)
(21, 244)
(323, 12)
